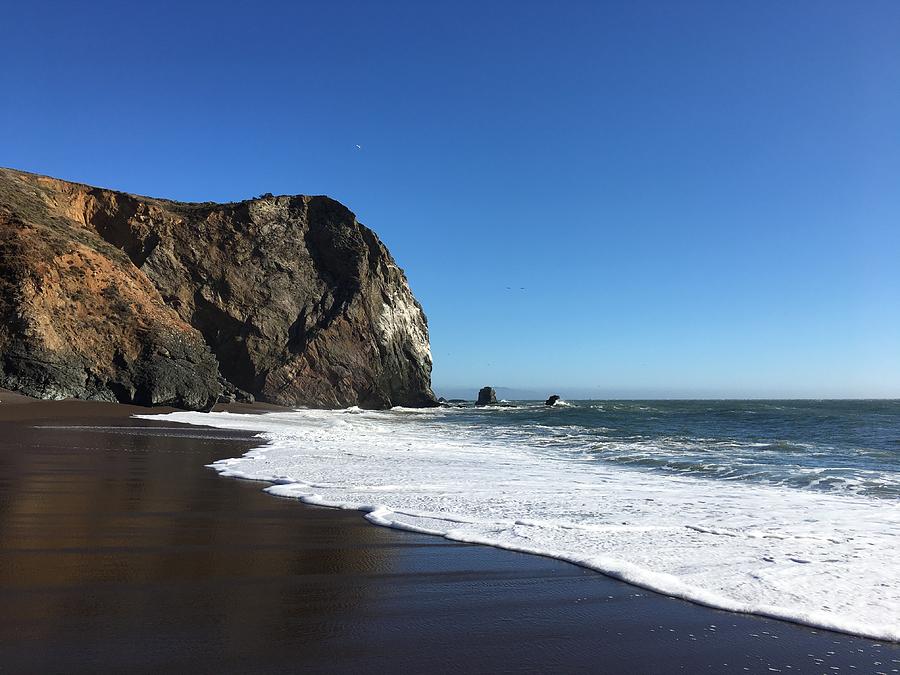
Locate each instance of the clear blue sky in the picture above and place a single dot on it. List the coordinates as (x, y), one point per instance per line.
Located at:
(698, 198)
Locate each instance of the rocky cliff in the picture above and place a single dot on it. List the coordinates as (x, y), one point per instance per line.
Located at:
(110, 296)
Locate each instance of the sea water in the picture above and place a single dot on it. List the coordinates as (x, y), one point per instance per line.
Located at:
(788, 509)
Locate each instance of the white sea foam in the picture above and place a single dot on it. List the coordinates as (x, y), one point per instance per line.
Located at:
(815, 558)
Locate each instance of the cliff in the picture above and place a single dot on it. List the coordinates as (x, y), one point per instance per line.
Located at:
(110, 296)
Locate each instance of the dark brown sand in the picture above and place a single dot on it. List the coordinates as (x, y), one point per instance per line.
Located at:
(120, 552)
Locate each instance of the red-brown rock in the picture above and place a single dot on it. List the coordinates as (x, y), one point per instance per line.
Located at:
(111, 296)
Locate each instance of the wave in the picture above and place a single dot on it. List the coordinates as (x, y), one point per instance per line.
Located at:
(813, 558)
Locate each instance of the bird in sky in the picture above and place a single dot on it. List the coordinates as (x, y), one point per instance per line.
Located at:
(358, 146)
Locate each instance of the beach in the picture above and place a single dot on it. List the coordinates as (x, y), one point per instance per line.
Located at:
(120, 549)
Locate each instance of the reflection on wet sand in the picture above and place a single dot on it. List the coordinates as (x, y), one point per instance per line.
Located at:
(114, 529)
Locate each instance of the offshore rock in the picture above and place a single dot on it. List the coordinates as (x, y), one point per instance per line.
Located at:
(486, 396)
(110, 296)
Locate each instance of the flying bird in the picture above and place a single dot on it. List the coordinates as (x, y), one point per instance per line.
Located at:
(358, 146)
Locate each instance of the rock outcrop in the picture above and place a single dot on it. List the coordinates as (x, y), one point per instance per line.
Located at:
(486, 396)
(106, 295)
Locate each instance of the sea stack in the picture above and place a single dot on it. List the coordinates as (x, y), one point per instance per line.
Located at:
(115, 297)
(486, 396)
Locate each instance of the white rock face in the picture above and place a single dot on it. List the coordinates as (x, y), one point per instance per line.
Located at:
(403, 321)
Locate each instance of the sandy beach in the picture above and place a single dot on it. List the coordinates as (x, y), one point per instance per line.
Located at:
(120, 550)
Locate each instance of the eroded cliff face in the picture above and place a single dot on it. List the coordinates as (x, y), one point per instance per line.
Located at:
(106, 295)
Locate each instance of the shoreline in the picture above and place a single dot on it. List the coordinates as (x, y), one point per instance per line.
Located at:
(119, 548)
(341, 463)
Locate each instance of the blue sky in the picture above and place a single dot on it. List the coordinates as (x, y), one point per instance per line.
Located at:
(609, 199)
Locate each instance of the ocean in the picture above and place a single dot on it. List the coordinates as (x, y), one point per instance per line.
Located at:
(787, 509)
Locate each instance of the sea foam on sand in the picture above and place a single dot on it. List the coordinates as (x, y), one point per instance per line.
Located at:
(813, 558)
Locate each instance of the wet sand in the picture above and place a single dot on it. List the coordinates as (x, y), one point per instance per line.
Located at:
(120, 551)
